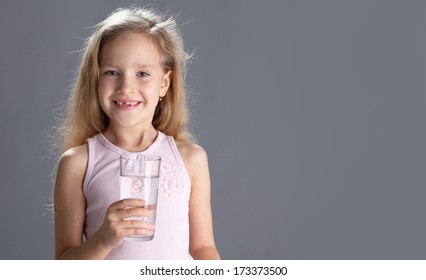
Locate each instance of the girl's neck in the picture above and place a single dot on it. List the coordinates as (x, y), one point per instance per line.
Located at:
(131, 139)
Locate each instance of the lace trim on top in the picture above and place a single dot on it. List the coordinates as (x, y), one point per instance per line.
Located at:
(171, 184)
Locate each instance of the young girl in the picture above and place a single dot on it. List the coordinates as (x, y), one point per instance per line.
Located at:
(129, 98)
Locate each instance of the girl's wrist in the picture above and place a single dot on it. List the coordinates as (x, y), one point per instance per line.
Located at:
(100, 245)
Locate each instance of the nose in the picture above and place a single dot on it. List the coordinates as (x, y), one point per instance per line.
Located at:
(126, 85)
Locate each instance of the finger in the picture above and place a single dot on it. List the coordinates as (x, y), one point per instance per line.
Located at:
(152, 207)
(133, 212)
(136, 224)
(125, 203)
(137, 232)
(121, 229)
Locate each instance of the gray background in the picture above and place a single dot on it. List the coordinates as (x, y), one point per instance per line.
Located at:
(312, 113)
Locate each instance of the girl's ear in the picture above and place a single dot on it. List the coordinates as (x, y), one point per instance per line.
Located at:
(166, 83)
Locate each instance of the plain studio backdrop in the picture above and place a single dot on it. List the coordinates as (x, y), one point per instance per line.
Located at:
(312, 114)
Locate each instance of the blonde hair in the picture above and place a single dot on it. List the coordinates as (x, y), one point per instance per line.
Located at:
(84, 116)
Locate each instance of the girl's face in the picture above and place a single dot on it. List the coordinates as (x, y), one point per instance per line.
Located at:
(131, 80)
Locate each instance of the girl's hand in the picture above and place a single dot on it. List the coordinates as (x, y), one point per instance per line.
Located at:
(116, 226)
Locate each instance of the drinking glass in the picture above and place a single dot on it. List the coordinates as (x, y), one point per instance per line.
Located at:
(139, 178)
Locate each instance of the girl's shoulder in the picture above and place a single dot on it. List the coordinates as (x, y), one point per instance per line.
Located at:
(74, 160)
(194, 157)
(191, 153)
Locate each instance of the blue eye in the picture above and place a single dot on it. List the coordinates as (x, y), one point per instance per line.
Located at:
(143, 74)
(111, 73)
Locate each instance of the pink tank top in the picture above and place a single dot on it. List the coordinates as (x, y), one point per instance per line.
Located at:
(101, 188)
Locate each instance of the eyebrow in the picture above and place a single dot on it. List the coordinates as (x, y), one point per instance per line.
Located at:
(137, 65)
(144, 65)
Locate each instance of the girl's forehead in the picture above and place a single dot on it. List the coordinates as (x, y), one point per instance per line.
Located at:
(139, 48)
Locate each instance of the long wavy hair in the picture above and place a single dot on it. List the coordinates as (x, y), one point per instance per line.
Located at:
(84, 117)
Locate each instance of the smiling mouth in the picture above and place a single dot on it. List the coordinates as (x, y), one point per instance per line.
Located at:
(128, 103)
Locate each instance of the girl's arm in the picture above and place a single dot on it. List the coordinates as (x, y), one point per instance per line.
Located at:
(201, 244)
(70, 204)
